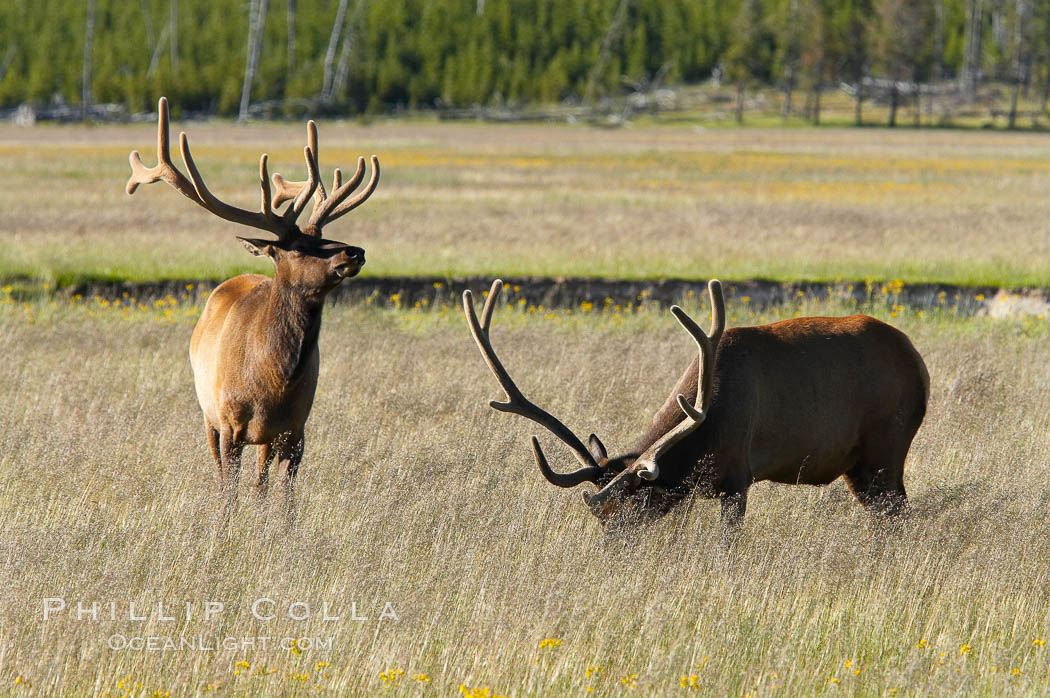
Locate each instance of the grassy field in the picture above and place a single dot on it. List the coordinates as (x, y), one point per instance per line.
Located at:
(414, 492)
(966, 207)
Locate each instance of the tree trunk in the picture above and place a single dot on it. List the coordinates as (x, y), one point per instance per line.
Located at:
(972, 51)
(89, 40)
(173, 33)
(603, 55)
(894, 97)
(817, 88)
(147, 24)
(740, 101)
(1046, 92)
(1019, 59)
(789, 88)
(329, 56)
(791, 59)
(291, 39)
(1011, 119)
(858, 105)
(342, 70)
(256, 25)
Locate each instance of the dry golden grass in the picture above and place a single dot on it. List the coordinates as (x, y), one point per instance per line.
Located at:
(649, 201)
(414, 492)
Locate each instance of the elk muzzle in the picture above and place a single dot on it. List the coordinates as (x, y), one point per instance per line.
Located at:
(349, 262)
(606, 501)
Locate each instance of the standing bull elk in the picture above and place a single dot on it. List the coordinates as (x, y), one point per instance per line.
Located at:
(254, 349)
(801, 401)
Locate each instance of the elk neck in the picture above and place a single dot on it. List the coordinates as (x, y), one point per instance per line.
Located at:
(290, 326)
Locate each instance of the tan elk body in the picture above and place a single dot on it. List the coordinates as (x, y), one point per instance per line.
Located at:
(801, 401)
(254, 350)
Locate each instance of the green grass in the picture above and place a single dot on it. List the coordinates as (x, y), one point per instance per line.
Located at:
(414, 491)
(963, 207)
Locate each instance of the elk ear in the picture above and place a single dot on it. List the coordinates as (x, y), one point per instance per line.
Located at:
(597, 448)
(259, 248)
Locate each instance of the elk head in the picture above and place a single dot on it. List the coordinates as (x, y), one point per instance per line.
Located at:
(633, 486)
(302, 258)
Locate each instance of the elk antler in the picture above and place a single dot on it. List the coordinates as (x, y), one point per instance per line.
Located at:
(197, 191)
(518, 404)
(327, 207)
(696, 413)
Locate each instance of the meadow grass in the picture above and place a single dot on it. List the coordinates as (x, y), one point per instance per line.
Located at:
(414, 492)
(967, 207)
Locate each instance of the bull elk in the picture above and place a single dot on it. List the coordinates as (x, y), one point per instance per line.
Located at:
(254, 349)
(801, 401)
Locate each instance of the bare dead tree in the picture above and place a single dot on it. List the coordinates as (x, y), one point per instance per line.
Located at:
(9, 58)
(342, 71)
(937, 72)
(1020, 58)
(89, 40)
(256, 25)
(173, 33)
(972, 53)
(154, 43)
(791, 57)
(147, 24)
(333, 45)
(615, 27)
(291, 37)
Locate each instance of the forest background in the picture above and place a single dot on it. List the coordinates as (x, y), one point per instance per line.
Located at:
(350, 57)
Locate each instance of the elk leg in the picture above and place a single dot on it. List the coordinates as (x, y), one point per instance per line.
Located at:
(213, 445)
(264, 454)
(861, 483)
(289, 455)
(231, 470)
(734, 504)
(879, 490)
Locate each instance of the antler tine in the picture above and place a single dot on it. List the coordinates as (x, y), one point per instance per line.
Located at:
(220, 208)
(264, 183)
(706, 345)
(572, 479)
(332, 209)
(165, 169)
(321, 213)
(286, 190)
(718, 311)
(518, 404)
(311, 142)
(312, 181)
(490, 305)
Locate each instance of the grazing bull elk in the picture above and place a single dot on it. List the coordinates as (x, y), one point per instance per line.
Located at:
(800, 401)
(254, 350)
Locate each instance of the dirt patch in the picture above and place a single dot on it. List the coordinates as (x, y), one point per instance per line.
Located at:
(572, 292)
